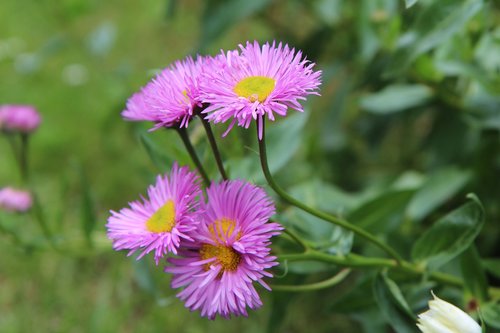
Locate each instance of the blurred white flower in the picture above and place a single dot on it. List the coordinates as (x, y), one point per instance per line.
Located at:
(443, 317)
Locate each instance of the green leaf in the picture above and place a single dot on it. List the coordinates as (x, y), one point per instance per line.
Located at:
(382, 212)
(473, 274)
(159, 159)
(492, 266)
(395, 98)
(491, 314)
(219, 16)
(436, 24)
(283, 138)
(409, 3)
(393, 305)
(450, 235)
(439, 188)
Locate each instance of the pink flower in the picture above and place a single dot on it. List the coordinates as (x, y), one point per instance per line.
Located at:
(19, 118)
(159, 222)
(229, 251)
(262, 81)
(170, 98)
(13, 200)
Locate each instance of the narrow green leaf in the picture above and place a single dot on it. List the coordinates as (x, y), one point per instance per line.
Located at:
(393, 305)
(395, 98)
(450, 235)
(491, 314)
(473, 274)
(439, 188)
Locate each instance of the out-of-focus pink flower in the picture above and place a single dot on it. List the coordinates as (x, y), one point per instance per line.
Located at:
(19, 118)
(13, 200)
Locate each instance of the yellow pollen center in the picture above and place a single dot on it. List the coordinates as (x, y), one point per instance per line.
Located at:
(163, 220)
(222, 229)
(228, 258)
(255, 88)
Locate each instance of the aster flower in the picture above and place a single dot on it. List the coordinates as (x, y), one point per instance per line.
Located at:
(262, 81)
(162, 219)
(170, 98)
(14, 200)
(443, 317)
(230, 250)
(19, 118)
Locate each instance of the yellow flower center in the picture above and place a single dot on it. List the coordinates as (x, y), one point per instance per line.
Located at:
(255, 88)
(223, 228)
(163, 220)
(228, 258)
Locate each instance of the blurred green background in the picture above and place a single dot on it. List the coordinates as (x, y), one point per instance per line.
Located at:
(407, 124)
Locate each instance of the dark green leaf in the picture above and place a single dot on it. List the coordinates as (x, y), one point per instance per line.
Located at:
(221, 15)
(439, 188)
(473, 274)
(392, 305)
(410, 3)
(492, 266)
(395, 98)
(450, 235)
(382, 212)
(437, 23)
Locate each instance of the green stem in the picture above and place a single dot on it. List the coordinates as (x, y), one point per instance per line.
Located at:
(39, 216)
(334, 280)
(324, 216)
(296, 238)
(23, 158)
(213, 145)
(187, 143)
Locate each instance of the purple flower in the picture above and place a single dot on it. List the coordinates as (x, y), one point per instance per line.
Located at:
(13, 200)
(19, 118)
(170, 98)
(159, 222)
(262, 81)
(230, 250)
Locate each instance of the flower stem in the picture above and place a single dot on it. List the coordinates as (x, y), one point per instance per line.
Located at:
(322, 215)
(23, 158)
(334, 280)
(187, 143)
(213, 145)
(296, 238)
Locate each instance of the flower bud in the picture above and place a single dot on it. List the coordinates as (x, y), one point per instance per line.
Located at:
(443, 317)
(19, 118)
(13, 200)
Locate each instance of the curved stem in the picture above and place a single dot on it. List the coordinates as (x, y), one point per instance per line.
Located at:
(187, 143)
(322, 215)
(296, 238)
(213, 145)
(334, 280)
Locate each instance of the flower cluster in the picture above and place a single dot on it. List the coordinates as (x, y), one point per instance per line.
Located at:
(236, 87)
(221, 245)
(216, 246)
(15, 200)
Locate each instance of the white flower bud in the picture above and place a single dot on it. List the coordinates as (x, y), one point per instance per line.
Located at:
(443, 317)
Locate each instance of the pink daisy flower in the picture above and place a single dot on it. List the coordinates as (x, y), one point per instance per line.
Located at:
(170, 98)
(230, 250)
(263, 80)
(160, 221)
(13, 200)
(19, 118)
